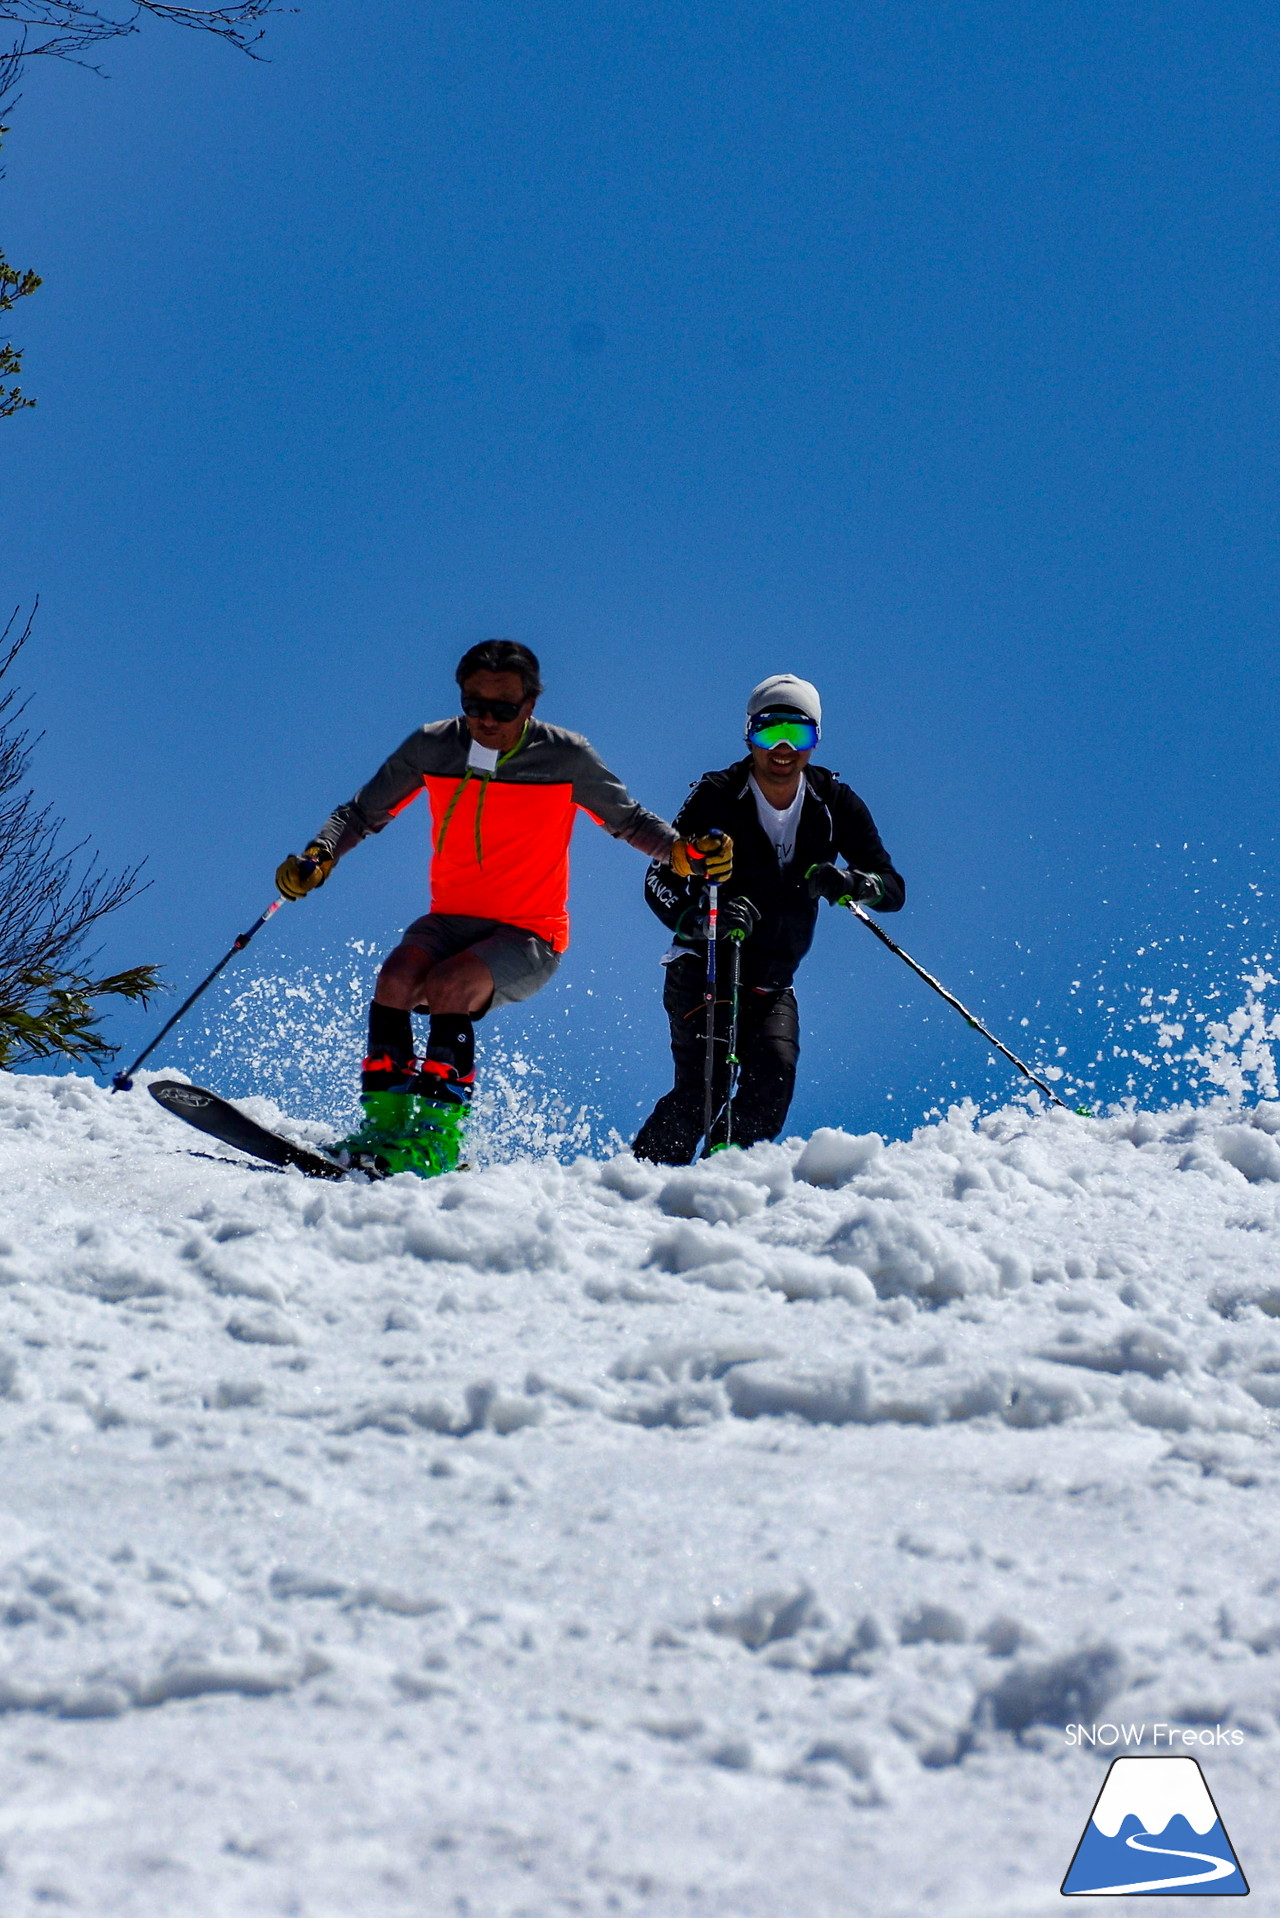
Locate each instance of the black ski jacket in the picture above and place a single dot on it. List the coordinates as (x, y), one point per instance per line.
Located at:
(834, 824)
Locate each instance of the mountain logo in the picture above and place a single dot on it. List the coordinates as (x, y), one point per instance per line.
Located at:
(1154, 1829)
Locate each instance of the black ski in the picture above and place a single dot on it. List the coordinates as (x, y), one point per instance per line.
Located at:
(208, 1113)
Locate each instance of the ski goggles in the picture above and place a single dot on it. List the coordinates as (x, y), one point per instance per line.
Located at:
(782, 729)
(500, 709)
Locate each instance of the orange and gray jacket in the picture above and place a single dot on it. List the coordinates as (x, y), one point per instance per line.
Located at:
(500, 836)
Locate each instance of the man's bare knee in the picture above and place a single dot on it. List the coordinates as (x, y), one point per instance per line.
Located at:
(461, 984)
(403, 978)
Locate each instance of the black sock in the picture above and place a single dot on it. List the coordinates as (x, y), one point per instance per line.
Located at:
(451, 1041)
(389, 1059)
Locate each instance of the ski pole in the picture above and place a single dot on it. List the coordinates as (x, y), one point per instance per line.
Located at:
(123, 1081)
(735, 967)
(951, 1000)
(709, 1070)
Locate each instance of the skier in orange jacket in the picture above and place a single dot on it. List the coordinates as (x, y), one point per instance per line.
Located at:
(504, 790)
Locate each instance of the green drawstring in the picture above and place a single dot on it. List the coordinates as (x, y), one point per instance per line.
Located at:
(452, 807)
(484, 787)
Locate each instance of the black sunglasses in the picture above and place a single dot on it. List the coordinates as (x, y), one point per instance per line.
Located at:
(500, 709)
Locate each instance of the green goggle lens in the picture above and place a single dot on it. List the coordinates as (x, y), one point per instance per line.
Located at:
(768, 730)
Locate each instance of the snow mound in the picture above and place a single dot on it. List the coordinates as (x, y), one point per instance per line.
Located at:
(505, 1538)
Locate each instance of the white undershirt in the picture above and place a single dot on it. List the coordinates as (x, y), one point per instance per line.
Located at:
(780, 827)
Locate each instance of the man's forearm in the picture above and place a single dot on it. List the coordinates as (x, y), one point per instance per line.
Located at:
(650, 835)
(344, 828)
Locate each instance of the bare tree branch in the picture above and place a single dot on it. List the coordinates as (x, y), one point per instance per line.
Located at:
(72, 30)
(50, 901)
(65, 29)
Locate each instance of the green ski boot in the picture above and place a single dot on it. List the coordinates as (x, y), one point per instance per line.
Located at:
(405, 1132)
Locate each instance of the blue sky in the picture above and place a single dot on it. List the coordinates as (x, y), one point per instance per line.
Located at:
(926, 350)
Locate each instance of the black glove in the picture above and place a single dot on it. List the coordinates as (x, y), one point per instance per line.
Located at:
(832, 884)
(735, 921)
(738, 919)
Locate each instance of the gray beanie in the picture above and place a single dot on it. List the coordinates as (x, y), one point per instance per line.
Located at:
(784, 689)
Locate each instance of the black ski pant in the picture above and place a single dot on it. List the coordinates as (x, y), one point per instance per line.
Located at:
(768, 1047)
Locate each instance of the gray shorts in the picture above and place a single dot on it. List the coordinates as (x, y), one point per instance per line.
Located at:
(520, 962)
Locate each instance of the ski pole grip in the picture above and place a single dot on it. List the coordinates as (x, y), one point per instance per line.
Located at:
(713, 930)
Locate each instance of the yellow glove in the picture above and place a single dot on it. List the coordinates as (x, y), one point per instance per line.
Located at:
(300, 875)
(709, 856)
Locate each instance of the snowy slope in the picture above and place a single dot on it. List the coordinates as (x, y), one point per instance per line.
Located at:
(735, 1541)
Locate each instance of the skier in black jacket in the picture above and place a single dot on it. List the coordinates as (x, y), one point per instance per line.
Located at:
(788, 821)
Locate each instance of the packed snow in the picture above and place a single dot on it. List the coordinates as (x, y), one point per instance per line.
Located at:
(738, 1541)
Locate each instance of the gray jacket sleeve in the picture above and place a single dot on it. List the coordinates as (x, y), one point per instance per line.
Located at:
(397, 781)
(603, 795)
(441, 748)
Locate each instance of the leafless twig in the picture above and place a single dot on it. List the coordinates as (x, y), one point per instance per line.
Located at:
(50, 901)
(71, 30)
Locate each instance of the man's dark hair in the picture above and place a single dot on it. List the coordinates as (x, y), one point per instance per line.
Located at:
(502, 656)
